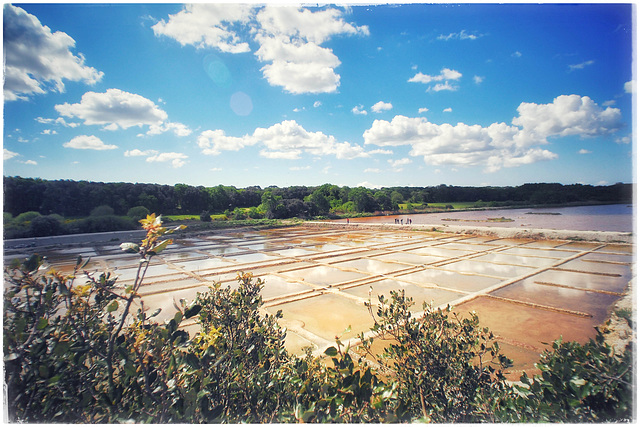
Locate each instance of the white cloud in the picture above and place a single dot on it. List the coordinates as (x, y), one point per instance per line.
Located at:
(516, 54)
(285, 140)
(288, 139)
(290, 39)
(59, 121)
(478, 79)
(214, 142)
(49, 132)
(397, 164)
(581, 65)
(300, 168)
(624, 140)
(498, 145)
(138, 153)
(358, 109)
(583, 151)
(88, 142)
(567, 115)
(317, 104)
(381, 106)
(30, 162)
(6, 154)
(177, 159)
(368, 184)
(178, 129)
(372, 170)
(422, 110)
(445, 74)
(442, 86)
(380, 151)
(630, 86)
(37, 60)
(462, 35)
(207, 25)
(447, 110)
(114, 109)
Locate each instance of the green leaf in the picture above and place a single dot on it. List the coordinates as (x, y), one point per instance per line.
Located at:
(42, 323)
(192, 311)
(131, 248)
(331, 351)
(161, 246)
(113, 306)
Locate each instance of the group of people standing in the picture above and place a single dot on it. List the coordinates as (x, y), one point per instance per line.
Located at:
(401, 221)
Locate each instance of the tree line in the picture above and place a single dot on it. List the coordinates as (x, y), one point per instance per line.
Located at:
(78, 198)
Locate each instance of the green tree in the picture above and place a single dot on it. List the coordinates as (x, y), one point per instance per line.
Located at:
(396, 198)
(136, 213)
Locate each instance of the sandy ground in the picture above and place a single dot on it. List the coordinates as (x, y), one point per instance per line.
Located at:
(499, 232)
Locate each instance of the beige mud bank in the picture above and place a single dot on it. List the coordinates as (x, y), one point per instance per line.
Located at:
(528, 290)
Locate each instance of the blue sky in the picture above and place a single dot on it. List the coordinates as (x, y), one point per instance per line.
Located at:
(377, 95)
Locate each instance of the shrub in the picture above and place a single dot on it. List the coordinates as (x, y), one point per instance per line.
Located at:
(136, 213)
(26, 217)
(102, 210)
(49, 225)
(578, 384)
(448, 369)
(205, 216)
(254, 213)
(101, 224)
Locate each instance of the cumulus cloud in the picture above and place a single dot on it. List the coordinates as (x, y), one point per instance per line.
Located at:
(137, 153)
(289, 39)
(88, 142)
(447, 110)
(58, 121)
(443, 79)
(381, 106)
(398, 164)
(630, 86)
(114, 109)
(445, 74)
(38, 60)
(422, 110)
(584, 151)
(178, 129)
(207, 25)
(6, 154)
(214, 142)
(358, 110)
(177, 160)
(288, 140)
(478, 79)
(498, 145)
(567, 115)
(285, 140)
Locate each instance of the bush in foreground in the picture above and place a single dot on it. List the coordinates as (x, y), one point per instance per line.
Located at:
(90, 352)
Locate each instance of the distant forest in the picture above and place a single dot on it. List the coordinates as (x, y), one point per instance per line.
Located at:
(73, 199)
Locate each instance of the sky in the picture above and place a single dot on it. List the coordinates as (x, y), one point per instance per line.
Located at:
(375, 95)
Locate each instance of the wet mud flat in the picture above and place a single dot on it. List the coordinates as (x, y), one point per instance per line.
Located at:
(529, 292)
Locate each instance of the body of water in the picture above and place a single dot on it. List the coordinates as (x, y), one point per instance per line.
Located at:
(586, 218)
